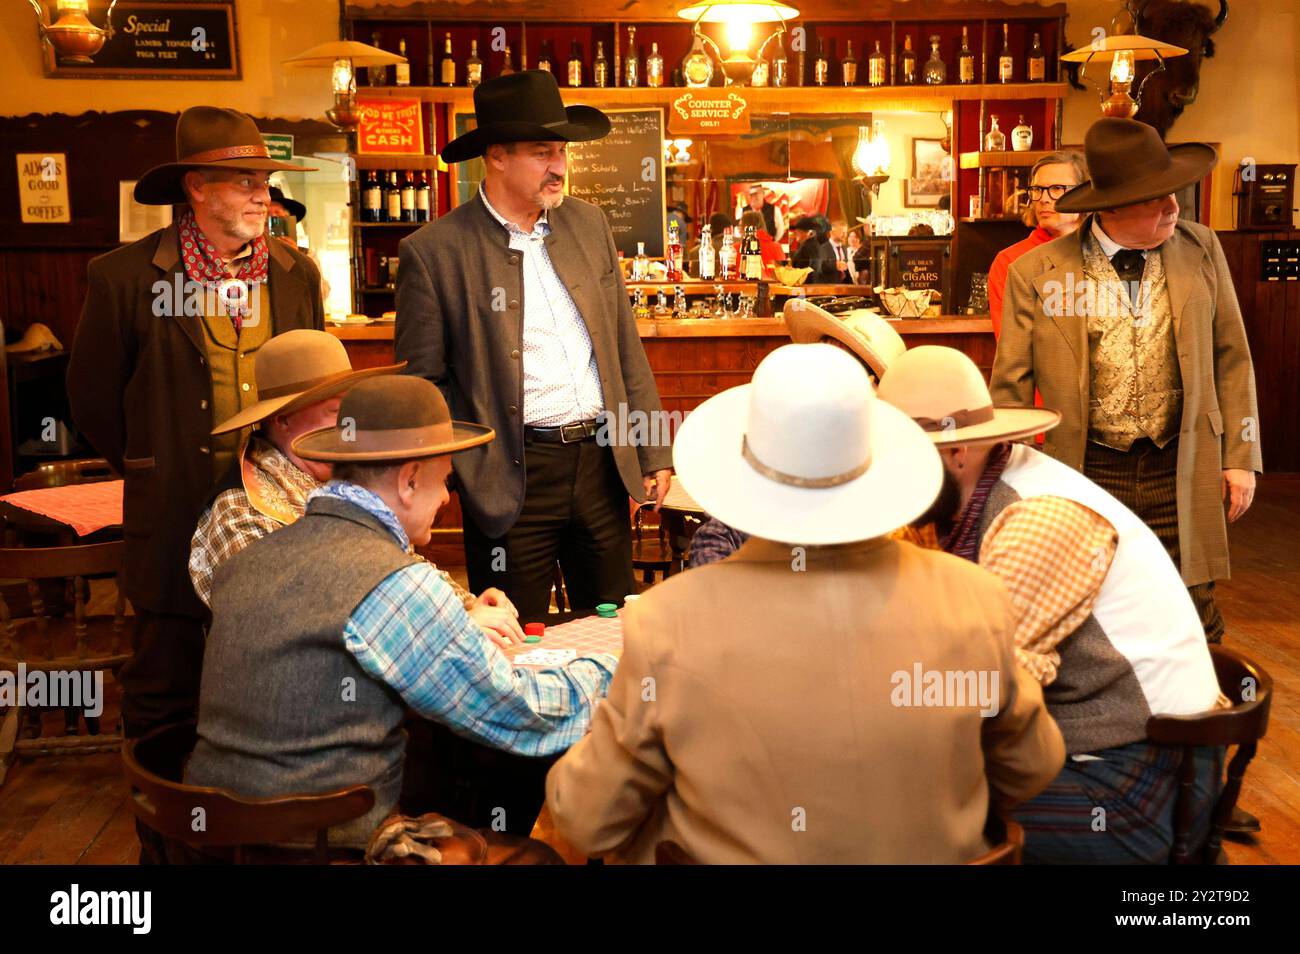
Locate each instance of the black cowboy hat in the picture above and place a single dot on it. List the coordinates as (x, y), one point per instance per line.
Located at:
(500, 102)
(292, 206)
(208, 137)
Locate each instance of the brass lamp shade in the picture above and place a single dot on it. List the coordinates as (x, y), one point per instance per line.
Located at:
(361, 54)
(1142, 47)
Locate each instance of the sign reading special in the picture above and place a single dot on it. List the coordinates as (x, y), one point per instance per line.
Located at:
(178, 39)
(43, 187)
(390, 127)
(707, 111)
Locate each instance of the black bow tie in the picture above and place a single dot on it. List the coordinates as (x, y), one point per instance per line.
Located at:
(1129, 264)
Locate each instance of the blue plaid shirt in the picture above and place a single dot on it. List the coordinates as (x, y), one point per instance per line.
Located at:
(412, 633)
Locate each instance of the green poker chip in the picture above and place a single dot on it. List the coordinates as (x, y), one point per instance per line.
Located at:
(532, 639)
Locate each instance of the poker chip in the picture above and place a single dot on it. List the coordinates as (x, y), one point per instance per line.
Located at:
(607, 610)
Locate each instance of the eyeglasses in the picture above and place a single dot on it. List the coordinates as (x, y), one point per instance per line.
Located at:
(1054, 192)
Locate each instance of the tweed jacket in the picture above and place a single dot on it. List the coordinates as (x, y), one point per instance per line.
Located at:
(460, 324)
(1044, 346)
(758, 714)
(141, 393)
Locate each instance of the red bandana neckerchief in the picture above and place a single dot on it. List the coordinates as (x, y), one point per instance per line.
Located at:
(203, 264)
(963, 541)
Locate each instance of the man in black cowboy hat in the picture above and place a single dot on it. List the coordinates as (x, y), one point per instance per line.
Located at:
(814, 249)
(514, 305)
(163, 352)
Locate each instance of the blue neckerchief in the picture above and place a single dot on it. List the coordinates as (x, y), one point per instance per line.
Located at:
(368, 501)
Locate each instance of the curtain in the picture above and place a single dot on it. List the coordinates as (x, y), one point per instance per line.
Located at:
(849, 192)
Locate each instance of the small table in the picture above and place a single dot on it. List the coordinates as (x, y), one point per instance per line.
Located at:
(76, 513)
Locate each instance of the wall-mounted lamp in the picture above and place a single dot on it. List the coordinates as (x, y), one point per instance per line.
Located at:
(871, 157)
(342, 58)
(738, 18)
(1122, 51)
(73, 37)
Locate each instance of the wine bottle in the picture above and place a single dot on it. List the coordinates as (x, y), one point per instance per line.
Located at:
(574, 65)
(408, 197)
(402, 69)
(544, 58)
(907, 64)
(727, 257)
(1036, 64)
(600, 67)
(753, 260)
(448, 65)
(849, 65)
(473, 66)
(393, 199)
(631, 65)
(708, 254)
(423, 198)
(780, 65)
(876, 67)
(821, 65)
(654, 67)
(965, 60)
(372, 198)
(1006, 65)
(507, 65)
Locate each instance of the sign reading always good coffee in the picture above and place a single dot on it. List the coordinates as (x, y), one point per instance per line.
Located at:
(707, 111)
(43, 187)
(171, 40)
(390, 127)
(623, 173)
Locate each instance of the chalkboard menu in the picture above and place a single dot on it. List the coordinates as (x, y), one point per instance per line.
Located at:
(170, 40)
(623, 173)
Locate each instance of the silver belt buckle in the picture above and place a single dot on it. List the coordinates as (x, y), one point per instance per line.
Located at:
(564, 433)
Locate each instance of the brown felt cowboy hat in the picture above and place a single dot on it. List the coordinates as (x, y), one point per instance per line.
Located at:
(296, 369)
(208, 137)
(394, 417)
(524, 107)
(1128, 163)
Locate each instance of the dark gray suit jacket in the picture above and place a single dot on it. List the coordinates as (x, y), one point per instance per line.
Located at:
(460, 324)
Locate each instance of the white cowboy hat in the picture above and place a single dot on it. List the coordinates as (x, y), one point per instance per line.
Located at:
(943, 391)
(865, 333)
(805, 454)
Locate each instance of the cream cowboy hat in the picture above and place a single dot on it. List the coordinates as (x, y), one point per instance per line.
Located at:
(943, 391)
(295, 369)
(865, 333)
(806, 454)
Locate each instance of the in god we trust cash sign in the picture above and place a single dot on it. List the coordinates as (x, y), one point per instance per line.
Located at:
(390, 127)
(709, 112)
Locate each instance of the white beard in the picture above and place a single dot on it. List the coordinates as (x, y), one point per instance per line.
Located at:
(550, 203)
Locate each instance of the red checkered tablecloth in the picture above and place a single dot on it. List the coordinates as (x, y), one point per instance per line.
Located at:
(83, 507)
(591, 634)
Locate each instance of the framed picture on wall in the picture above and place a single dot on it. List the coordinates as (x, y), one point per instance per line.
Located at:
(926, 181)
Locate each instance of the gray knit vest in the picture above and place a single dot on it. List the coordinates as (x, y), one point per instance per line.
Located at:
(285, 708)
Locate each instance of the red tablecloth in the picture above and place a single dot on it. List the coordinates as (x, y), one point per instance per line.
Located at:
(83, 507)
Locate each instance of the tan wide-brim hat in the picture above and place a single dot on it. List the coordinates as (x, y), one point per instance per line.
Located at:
(805, 454)
(208, 137)
(393, 417)
(863, 332)
(943, 391)
(297, 369)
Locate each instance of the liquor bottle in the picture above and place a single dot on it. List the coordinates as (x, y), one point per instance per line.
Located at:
(600, 66)
(473, 66)
(821, 65)
(654, 67)
(423, 198)
(907, 65)
(708, 254)
(574, 68)
(877, 67)
(1036, 64)
(679, 302)
(673, 260)
(780, 65)
(661, 304)
(762, 75)
(996, 139)
(753, 257)
(719, 302)
(640, 264)
(727, 257)
(1005, 63)
(697, 67)
(936, 71)
(507, 65)
(1022, 137)
(448, 67)
(403, 69)
(632, 65)
(965, 60)
(640, 310)
(408, 198)
(849, 65)
(372, 198)
(378, 75)
(393, 199)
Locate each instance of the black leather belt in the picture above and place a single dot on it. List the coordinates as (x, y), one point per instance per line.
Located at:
(564, 434)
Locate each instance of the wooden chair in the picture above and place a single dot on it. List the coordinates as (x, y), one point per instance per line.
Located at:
(651, 554)
(41, 642)
(154, 765)
(61, 473)
(1250, 688)
(1007, 839)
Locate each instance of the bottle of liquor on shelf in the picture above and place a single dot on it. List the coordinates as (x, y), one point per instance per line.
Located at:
(600, 66)
(1022, 137)
(996, 139)
(965, 60)
(654, 67)
(877, 67)
(473, 66)
(393, 198)
(1006, 64)
(673, 259)
(762, 75)
(423, 198)
(640, 309)
(936, 71)
(408, 197)
(907, 63)
(447, 75)
(821, 65)
(661, 304)
(372, 198)
(697, 66)
(545, 60)
(631, 65)
(708, 254)
(378, 75)
(574, 68)
(780, 65)
(849, 66)
(679, 302)
(753, 258)
(403, 69)
(1036, 63)
(640, 264)
(719, 302)
(508, 64)
(727, 257)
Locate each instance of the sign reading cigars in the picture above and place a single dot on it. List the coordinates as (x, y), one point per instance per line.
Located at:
(390, 127)
(708, 111)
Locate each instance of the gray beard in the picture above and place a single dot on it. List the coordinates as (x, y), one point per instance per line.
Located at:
(552, 203)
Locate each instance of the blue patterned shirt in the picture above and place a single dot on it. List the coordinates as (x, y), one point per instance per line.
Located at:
(412, 633)
(715, 541)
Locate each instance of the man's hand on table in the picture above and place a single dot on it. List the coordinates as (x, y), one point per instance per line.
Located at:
(657, 486)
(498, 618)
